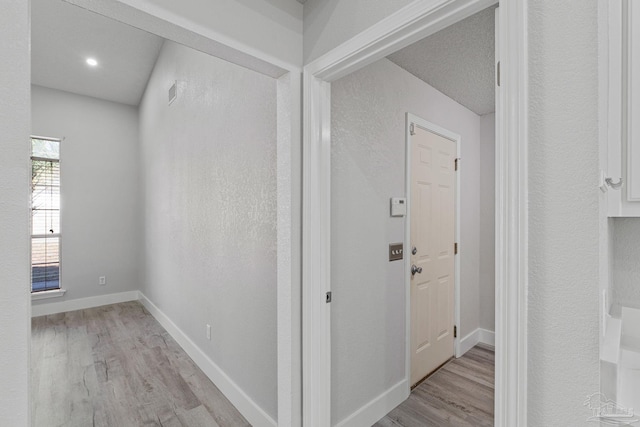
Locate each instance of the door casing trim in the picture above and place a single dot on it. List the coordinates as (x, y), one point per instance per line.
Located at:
(417, 20)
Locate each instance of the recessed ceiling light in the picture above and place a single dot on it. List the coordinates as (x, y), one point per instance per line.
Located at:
(92, 62)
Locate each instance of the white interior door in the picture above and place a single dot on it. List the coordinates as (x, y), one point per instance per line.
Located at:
(433, 221)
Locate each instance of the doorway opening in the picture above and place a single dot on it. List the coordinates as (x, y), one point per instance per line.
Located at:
(152, 151)
(428, 105)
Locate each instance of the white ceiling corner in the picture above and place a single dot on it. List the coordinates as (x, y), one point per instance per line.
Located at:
(458, 61)
(64, 35)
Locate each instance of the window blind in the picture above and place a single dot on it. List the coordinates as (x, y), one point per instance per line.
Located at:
(45, 218)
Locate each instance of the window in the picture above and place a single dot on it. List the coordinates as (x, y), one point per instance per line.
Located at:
(45, 214)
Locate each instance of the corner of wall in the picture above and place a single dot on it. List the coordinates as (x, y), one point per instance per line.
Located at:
(15, 174)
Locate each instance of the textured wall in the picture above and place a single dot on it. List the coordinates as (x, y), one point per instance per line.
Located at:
(458, 61)
(487, 221)
(367, 168)
(15, 172)
(625, 288)
(329, 23)
(100, 195)
(563, 211)
(209, 188)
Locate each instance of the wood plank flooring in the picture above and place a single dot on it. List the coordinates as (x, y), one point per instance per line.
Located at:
(459, 394)
(116, 366)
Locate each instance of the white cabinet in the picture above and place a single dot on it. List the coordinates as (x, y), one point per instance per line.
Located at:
(620, 105)
(633, 103)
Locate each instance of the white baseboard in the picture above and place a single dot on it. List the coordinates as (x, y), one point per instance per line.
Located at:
(479, 336)
(487, 337)
(468, 342)
(373, 411)
(82, 303)
(247, 407)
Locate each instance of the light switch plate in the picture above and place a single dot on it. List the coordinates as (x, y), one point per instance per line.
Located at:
(395, 251)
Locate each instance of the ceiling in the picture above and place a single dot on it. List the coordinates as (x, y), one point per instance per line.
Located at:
(63, 36)
(458, 61)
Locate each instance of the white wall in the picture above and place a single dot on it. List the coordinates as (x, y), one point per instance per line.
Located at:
(625, 284)
(209, 188)
(367, 168)
(99, 190)
(487, 221)
(563, 211)
(15, 173)
(329, 23)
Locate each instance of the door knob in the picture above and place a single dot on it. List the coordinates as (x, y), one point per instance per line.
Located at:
(415, 270)
(414, 250)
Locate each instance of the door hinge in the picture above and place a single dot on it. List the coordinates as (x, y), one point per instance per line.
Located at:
(456, 162)
(328, 299)
(455, 331)
(412, 129)
(498, 73)
(455, 249)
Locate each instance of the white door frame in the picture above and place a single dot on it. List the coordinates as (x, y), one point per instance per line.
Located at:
(410, 24)
(431, 127)
(288, 76)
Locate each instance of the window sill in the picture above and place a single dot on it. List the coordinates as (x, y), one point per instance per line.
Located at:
(35, 296)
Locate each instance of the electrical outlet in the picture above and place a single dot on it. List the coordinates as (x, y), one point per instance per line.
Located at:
(102, 280)
(209, 332)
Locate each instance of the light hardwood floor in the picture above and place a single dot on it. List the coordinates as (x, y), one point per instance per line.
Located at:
(116, 366)
(459, 394)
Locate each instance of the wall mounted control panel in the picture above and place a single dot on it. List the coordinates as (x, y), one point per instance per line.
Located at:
(398, 206)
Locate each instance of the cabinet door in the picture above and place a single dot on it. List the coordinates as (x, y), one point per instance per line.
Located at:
(633, 103)
(620, 107)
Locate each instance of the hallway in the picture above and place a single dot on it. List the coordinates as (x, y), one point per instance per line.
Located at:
(116, 366)
(459, 394)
